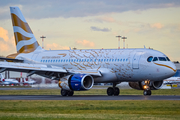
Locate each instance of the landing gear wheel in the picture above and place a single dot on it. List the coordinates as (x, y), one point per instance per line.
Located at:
(70, 93)
(147, 92)
(116, 91)
(110, 91)
(64, 92)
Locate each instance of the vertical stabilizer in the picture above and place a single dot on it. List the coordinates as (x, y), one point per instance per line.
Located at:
(2, 77)
(24, 38)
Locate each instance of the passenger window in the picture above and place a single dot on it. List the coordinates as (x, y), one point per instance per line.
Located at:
(155, 59)
(150, 59)
(167, 59)
(162, 58)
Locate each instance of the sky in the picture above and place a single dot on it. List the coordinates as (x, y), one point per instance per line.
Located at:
(94, 24)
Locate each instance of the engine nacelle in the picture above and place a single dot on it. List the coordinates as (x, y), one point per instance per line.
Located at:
(76, 82)
(154, 85)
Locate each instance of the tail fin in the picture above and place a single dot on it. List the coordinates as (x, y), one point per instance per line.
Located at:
(2, 77)
(24, 38)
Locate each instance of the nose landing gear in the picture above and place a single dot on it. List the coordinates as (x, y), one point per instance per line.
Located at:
(147, 90)
(113, 90)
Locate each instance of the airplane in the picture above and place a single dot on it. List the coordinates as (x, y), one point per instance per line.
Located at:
(27, 82)
(172, 80)
(4, 81)
(78, 70)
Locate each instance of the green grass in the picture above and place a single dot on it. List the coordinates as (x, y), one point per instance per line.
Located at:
(90, 92)
(87, 110)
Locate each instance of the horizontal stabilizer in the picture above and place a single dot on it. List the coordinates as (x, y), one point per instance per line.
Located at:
(14, 60)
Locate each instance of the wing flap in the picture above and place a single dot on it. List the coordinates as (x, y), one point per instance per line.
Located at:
(90, 72)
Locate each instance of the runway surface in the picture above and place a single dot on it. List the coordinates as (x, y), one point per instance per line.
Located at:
(87, 97)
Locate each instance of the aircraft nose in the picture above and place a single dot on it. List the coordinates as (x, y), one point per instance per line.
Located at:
(172, 69)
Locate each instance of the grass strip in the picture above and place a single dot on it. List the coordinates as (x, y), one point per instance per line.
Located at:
(39, 109)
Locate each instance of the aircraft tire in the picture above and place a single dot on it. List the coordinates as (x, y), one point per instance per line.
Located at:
(64, 92)
(147, 92)
(110, 91)
(70, 93)
(116, 91)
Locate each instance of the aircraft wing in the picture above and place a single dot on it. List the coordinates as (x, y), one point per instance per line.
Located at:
(48, 71)
(90, 72)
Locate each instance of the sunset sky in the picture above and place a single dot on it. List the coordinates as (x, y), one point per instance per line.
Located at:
(94, 24)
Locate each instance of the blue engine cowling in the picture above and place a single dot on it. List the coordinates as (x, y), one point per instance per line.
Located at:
(76, 82)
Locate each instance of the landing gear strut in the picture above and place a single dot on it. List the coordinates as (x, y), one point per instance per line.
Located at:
(66, 92)
(113, 90)
(147, 90)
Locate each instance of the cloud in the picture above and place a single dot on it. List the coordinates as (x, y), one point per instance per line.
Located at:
(100, 29)
(4, 34)
(81, 8)
(85, 43)
(102, 19)
(55, 46)
(6, 44)
(157, 25)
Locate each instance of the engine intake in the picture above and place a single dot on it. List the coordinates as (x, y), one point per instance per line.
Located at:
(76, 82)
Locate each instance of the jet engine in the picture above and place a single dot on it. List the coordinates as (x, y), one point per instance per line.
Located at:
(76, 82)
(154, 85)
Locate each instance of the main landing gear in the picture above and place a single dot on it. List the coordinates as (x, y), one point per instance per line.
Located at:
(113, 90)
(147, 90)
(66, 92)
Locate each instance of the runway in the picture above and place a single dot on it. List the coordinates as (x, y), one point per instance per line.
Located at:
(87, 97)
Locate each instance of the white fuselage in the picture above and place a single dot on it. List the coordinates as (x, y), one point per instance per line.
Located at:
(126, 64)
(9, 82)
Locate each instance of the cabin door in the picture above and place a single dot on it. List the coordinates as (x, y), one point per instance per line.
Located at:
(136, 58)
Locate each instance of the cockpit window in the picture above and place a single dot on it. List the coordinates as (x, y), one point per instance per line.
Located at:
(150, 59)
(162, 59)
(167, 59)
(155, 59)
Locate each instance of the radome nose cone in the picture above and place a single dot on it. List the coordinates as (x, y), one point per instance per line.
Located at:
(173, 70)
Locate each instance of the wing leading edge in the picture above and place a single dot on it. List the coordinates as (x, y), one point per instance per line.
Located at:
(49, 71)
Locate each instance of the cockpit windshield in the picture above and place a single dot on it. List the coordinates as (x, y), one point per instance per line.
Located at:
(162, 59)
(168, 59)
(157, 59)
